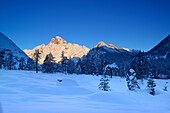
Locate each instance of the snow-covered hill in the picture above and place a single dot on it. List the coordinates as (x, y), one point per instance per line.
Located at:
(28, 92)
(8, 45)
(56, 46)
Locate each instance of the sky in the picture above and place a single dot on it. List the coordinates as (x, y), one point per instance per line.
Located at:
(133, 24)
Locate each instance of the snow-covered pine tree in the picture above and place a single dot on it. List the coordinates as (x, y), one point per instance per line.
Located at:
(2, 53)
(104, 84)
(48, 65)
(165, 87)
(112, 69)
(128, 81)
(151, 84)
(36, 57)
(132, 83)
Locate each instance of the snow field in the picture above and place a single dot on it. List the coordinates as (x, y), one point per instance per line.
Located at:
(28, 92)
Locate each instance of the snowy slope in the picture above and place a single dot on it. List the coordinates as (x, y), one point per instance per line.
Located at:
(27, 92)
(7, 44)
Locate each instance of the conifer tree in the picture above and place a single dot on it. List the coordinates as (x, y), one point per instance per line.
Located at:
(10, 61)
(21, 63)
(70, 66)
(2, 53)
(36, 57)
(30, 65)
(151, 84)
(104, 84)
(165, 87)
(63, 62)
(48, 65)
(78, 67)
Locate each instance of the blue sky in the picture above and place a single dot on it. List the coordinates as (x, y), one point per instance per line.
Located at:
(133, 24)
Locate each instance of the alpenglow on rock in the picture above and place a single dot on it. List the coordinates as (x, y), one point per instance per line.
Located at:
(56, 46)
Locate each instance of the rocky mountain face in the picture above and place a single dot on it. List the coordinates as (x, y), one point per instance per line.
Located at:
(56, 46)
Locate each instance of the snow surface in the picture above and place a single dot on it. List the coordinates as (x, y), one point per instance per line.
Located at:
(28, 92)
(112, 66)
(132, 70)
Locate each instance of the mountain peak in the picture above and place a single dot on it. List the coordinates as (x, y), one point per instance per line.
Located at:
(101, 43)
(57, 40)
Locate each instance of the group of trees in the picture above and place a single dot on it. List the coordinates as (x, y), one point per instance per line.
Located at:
(9, 61)
(143, 63)
(90, 64)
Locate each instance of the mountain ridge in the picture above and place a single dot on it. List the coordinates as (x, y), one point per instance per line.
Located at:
(101, 44)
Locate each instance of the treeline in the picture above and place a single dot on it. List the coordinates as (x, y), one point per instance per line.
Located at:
(95, 64)
(9, 61)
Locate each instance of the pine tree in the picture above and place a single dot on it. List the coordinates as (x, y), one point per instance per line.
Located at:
(101, 67)
(165, 87)
(78, 67)
(36, 57)
(21, 63)
(104, 84)
(30, 65)
(2, 53)
(63, 62)
(132, 83)
(10, 61)
(138, 64)
(151, 84)
(112, 70)
(70, 66)
(48, 65)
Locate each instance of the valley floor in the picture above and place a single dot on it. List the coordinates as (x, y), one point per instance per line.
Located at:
(28, 92)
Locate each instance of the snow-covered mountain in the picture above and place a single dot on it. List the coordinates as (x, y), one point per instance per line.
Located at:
(56, 46)
(110, 53)
(159, 58)
(101, 55)
(101, 44)
(162, 50)
(8, 45)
